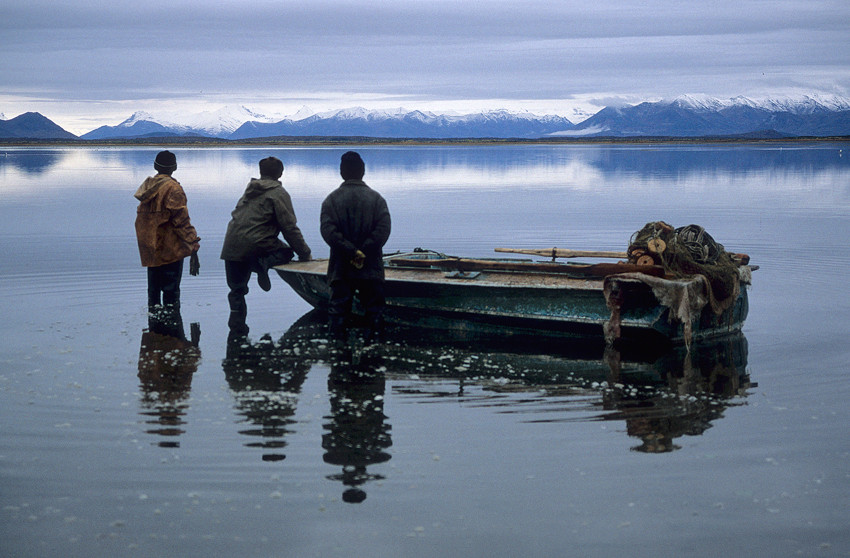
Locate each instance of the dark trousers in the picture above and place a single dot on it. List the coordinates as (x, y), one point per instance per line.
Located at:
(238, 273)
(164, 285)
(370, 293)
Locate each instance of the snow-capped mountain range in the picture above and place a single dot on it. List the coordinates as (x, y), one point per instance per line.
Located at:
(684, 116)
(243, 123)
(802, 104)
(218, 124)
(699, 116)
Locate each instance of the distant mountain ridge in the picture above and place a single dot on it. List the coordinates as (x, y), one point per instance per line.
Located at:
(689, 116)
(32, 125)
(357, 121)
(409, 124)
(684, 116)
(215, 124)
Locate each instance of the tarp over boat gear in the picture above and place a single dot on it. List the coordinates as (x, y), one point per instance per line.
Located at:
(684, 296)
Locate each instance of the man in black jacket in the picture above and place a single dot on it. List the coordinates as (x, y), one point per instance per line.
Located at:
(251, 243)
(355, 223)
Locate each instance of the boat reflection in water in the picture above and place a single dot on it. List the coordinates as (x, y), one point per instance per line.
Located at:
(687, 391)
(167, 362)
(660, 393)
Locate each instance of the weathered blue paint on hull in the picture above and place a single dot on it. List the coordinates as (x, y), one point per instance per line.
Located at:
(647, 314)
(523, 303)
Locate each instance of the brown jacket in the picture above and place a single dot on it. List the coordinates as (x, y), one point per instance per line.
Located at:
(163, 229)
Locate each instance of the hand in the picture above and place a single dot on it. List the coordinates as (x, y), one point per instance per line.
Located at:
(358, 260)
(194, 264)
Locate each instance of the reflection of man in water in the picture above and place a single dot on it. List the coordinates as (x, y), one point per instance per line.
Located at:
(167, 361)
(266, 380)
(357, 433)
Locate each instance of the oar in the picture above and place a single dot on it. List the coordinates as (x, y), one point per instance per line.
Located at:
(563, 253)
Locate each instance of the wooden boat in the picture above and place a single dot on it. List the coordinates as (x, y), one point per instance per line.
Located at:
(617, 301)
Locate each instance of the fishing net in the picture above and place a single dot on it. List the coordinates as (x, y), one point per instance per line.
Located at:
(688, 251)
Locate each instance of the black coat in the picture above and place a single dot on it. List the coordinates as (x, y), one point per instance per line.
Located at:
(355, 217)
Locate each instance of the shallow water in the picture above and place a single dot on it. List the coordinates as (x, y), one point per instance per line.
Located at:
(119, 441)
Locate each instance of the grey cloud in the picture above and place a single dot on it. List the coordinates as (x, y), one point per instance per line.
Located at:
(509, 49)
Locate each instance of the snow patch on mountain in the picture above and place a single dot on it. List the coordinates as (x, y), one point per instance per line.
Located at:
(138, 116)
(217, 123)
(361, 113)
(224, 120)
(794, 104)
(805, 104)
(698, 102)
(302, 113)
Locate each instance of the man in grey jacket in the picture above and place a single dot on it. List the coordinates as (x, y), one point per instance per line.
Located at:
(355, 223)
(252, 243)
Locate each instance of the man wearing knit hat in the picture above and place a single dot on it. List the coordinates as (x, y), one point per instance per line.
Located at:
(165, 234)
(252, 244)
(355, 223)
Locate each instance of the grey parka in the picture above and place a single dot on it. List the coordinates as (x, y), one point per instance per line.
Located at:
(263, 211)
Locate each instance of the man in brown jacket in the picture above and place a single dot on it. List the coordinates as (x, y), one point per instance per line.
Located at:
(165, 233)
(252, 245)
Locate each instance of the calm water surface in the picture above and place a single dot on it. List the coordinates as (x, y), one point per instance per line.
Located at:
(117, 440)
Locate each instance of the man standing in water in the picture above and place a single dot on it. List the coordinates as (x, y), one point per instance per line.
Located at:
(251, 243)
(355, 222)
(165, 234)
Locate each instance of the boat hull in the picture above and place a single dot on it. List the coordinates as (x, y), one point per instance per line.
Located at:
(521, 303)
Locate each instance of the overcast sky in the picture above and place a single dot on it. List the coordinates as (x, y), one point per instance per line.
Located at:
(85, 63)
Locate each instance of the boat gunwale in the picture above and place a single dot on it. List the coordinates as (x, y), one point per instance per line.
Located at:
(522, 279)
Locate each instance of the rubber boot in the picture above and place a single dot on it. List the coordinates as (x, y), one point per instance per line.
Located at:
(237, 323)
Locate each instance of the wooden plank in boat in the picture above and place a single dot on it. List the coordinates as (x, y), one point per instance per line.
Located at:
(590, 270)
(564, 253)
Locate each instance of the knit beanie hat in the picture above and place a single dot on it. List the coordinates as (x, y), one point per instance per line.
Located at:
(351, 166)
(272, 167)
(165, 161)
